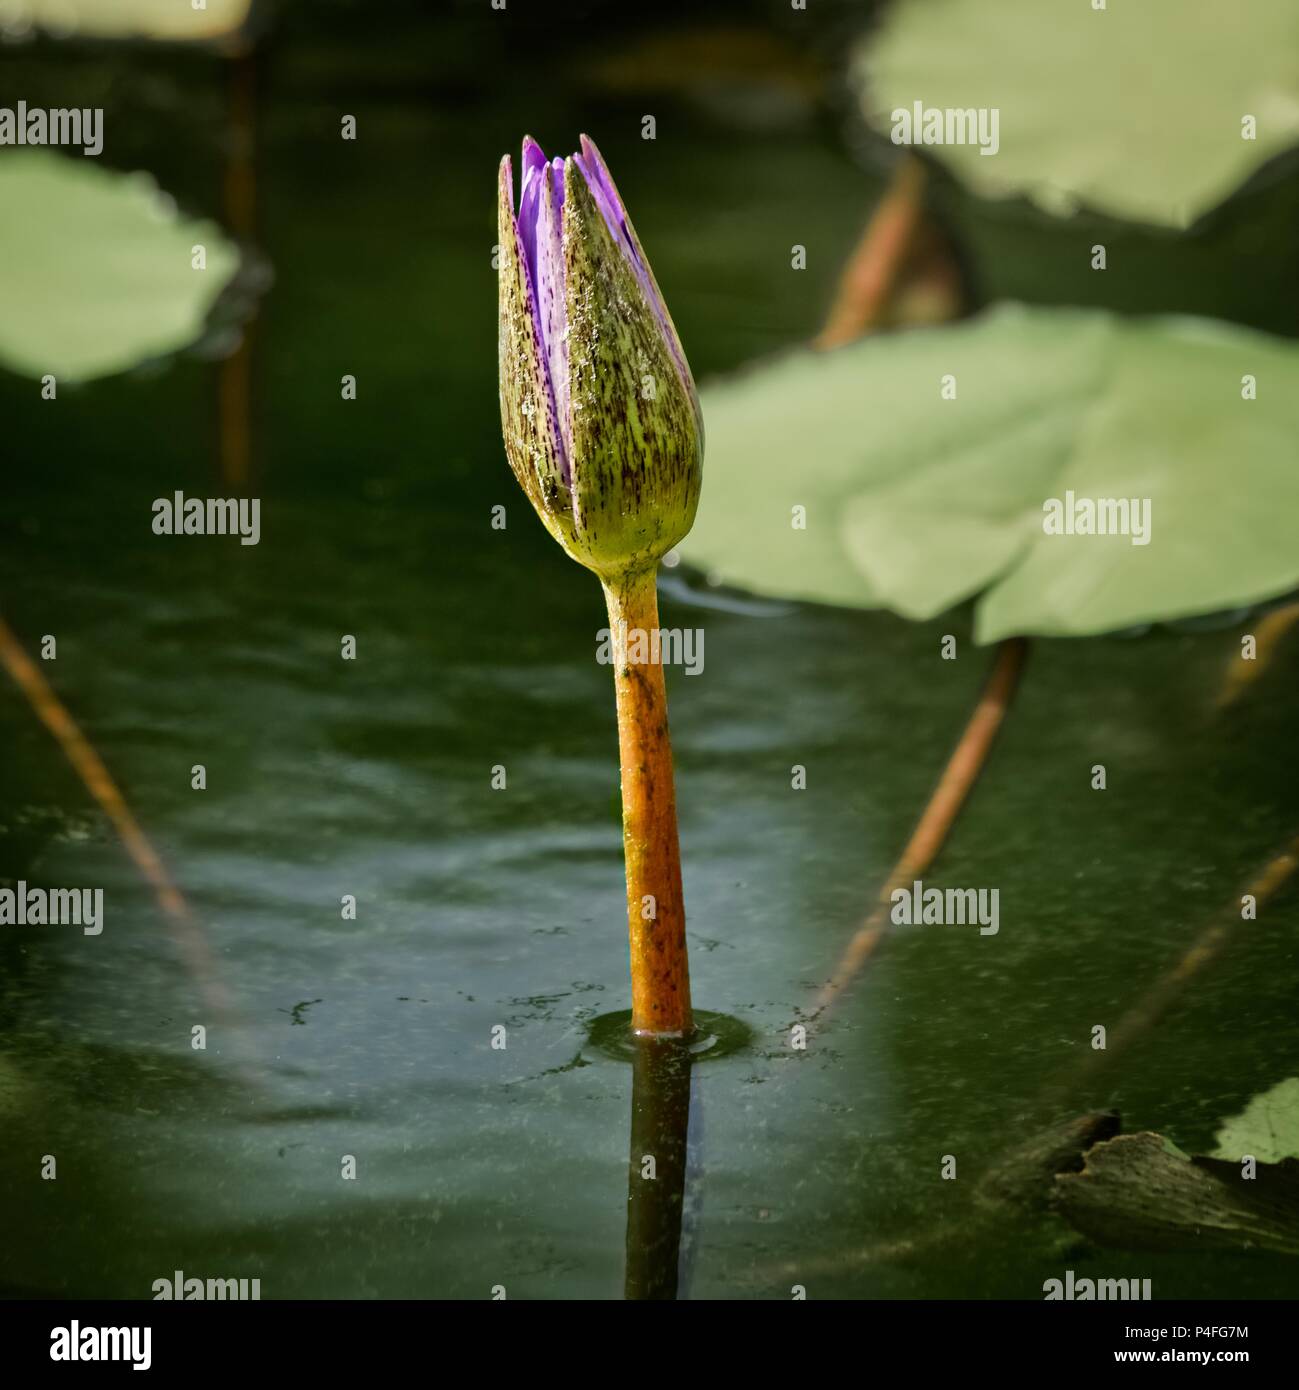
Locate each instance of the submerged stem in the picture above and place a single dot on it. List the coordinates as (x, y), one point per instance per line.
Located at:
(962, 769)
(656, 918)
(186, 933)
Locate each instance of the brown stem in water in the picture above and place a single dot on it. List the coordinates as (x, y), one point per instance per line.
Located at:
(944, 806)
(1268, 632)
(656, 918)
(872, 270)
(90, 768)
(1159, 998)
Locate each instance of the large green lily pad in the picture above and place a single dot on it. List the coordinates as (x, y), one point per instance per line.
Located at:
(96, 268)
(1268, 1127)
(113, 19)
(915, 502)
(1135, 110)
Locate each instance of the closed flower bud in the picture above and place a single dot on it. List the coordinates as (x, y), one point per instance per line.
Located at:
(598, 408)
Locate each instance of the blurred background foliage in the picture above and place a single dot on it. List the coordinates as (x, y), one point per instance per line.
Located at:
(916, 502)
(1154, 113)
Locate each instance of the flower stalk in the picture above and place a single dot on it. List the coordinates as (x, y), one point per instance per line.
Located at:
(603, 431)
(656, 918)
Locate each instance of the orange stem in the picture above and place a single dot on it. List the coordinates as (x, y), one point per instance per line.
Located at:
(872, 271)
(960, 774)
(1268, 632)
(656, 917)
(90, 768)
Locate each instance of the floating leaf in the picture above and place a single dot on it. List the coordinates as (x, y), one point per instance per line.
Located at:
(1135, 110)
(116, 19)
(95, 268)
(915, 502)
(1268, 1127)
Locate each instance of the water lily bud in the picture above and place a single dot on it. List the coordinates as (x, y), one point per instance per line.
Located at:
(598, 408)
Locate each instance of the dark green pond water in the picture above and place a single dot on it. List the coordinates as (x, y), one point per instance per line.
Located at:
(477, 907)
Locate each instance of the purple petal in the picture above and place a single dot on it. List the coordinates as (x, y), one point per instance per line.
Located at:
(557, 182)
(552, 307)
(538, 227)
(605, 192)
(534, 161)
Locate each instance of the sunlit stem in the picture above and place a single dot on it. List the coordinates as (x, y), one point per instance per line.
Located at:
(656, 919)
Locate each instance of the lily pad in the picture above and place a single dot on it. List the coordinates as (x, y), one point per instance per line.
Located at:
(1135, 110)
(1268, 1127)
(120, 19)
(96, 268)
(915, 502)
